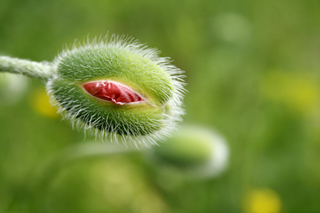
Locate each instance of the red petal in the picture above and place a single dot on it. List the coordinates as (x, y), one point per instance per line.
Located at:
(112, 91)
(93, 87)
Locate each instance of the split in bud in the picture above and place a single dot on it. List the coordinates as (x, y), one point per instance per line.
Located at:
(112, 91)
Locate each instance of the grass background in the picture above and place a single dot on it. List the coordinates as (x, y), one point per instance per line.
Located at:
(252, 70)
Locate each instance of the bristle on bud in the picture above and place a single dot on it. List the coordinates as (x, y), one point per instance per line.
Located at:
(119, 90)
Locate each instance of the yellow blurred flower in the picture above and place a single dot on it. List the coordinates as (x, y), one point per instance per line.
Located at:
(263, 200)
(41, 104)
(298, 92)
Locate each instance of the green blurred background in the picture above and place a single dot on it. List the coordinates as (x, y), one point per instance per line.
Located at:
(253, 75)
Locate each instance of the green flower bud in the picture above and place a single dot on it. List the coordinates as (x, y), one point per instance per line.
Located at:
(117, 89)
(192, 151)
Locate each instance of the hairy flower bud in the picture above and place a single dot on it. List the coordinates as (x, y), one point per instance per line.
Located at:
(119, 89)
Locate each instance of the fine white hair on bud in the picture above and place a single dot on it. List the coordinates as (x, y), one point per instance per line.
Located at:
(117, 89)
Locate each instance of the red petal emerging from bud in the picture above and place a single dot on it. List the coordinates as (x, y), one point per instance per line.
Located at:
(112, 91)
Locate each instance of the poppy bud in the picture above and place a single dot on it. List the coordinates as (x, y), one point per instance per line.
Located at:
(193, 151)
(118, 89)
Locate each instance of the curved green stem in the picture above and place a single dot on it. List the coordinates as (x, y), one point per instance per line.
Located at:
(39, 70)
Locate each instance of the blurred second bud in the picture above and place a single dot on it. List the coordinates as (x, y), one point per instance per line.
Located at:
(193, 151)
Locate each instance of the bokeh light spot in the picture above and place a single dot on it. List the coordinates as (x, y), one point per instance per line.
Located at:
(262, 201)
(41, 104)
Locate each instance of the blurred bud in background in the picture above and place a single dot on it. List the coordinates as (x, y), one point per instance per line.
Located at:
(12, 88)
(263, 200)
(192, 151)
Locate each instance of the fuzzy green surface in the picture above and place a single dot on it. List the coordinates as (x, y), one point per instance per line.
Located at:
(112, 63)
(135, 119)
(185, 148)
